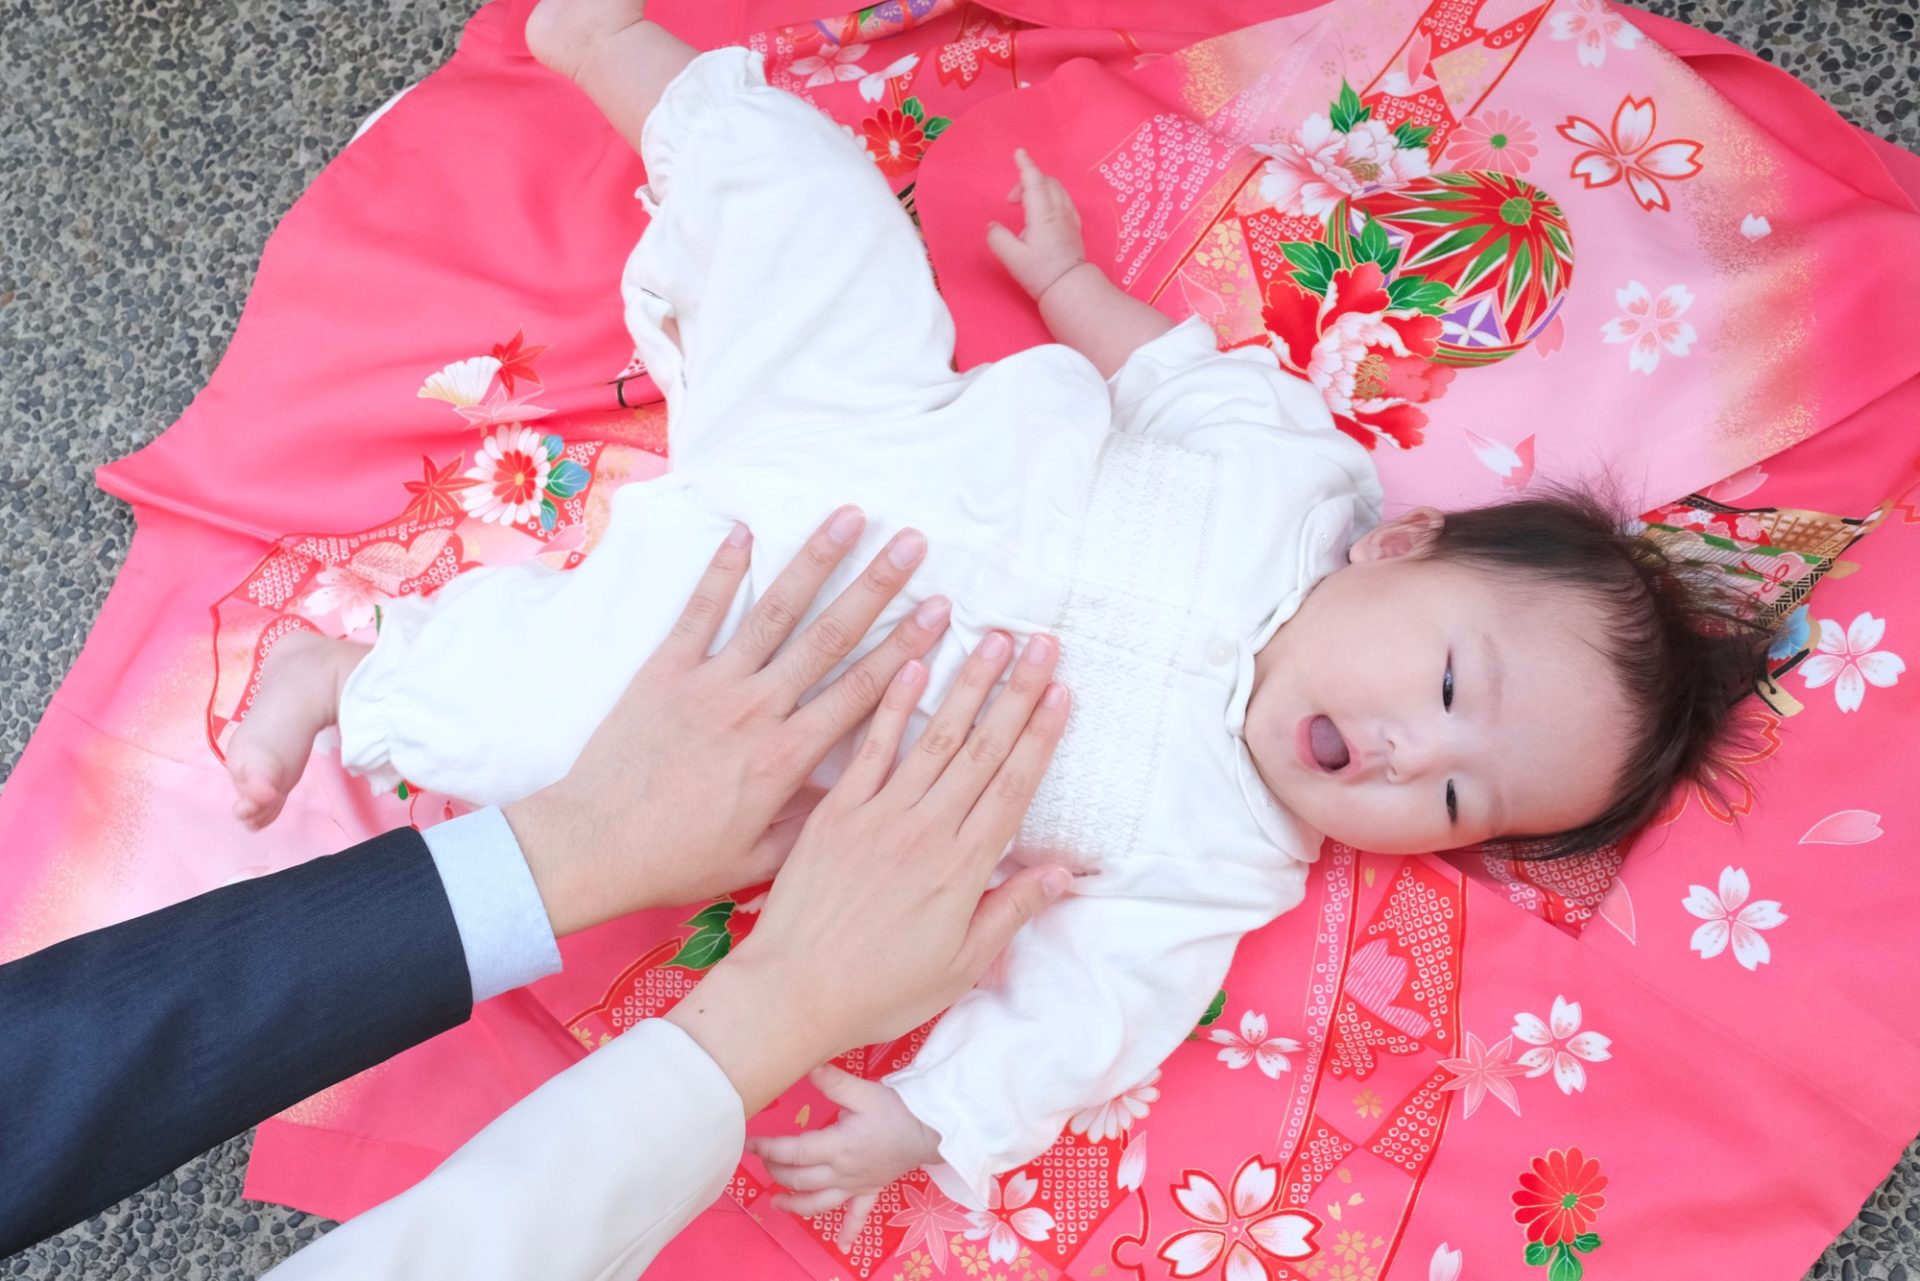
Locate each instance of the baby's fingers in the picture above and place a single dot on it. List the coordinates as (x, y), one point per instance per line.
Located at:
(808, 1204)
(815, 1148)
(857, 1211)
(803, 1178)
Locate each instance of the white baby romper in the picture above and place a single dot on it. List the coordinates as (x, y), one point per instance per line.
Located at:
(1162, 524)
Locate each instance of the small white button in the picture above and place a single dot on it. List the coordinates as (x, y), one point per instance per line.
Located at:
(1220, 653)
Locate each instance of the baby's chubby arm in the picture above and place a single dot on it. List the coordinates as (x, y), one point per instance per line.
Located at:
(1080, 306)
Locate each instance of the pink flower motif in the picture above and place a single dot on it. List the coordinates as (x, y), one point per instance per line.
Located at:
(1312, 172)
(1499, 140)
(1253, 1045)
(1651, 324)
(1008, 1217)
(930, 1218)
(510, 472)
(1132, 1170)
(1244, 1230)
(1731, 919)
(820, 70)
(1629, 152)
(499, 408)
(1116, 1116)
(1560, 1046)
(1593, 23)
(1483, 1071)
(339, 588)
(1850, 656)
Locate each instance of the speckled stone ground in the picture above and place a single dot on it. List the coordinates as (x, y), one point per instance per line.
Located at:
(146, 151)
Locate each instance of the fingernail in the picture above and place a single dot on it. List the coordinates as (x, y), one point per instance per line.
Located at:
(906, 549)
(910, 675)
(1056, 695)
(1039, 649)
(847, 524)
(995, 646)
(932, 611)
(739, 535)
(1056, 882)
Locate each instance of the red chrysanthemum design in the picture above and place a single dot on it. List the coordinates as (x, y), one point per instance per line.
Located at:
(1559, 1197)
(895, 140)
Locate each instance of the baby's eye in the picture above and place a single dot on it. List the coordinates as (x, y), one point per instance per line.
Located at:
(1453, 804)
(1446, 686)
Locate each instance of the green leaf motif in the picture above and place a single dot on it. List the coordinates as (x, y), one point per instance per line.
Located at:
(401, 791)
(1417, 293)
(1374, 245)
(1347, 111)
(1537, 1254)
(567, 479)
(1215, 1010)
(554, 446)
(711, 915)
(1587, 1242)
(936, 126)
(1410, 135)
(1566, 1265)
(703, 949)
(549, 514)
(913, 108)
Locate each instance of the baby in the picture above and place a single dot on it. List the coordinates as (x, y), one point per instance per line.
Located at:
(1257, 661)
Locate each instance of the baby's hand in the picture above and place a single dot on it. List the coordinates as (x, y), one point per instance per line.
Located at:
(1050, 246)
(874, 1141)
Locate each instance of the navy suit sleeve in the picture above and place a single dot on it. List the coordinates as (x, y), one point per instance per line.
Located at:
(127, 1051)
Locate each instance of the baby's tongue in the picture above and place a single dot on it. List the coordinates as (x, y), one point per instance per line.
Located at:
(1329, 748)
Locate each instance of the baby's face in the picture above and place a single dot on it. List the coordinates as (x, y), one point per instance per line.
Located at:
(1412, 705)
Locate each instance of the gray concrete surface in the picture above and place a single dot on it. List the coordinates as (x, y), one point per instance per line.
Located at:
(146, 149)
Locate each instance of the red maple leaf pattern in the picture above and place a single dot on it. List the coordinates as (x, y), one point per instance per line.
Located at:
(437, 492)
(516, 360)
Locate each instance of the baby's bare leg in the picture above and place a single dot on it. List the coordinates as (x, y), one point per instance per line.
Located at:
(611, 51)
(299, 696)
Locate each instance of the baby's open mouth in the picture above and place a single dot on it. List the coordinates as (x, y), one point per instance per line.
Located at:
(1325, 744)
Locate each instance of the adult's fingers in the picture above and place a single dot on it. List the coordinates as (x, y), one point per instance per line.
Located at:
(950, 724)
(836, 709)
(779, 611)
(699, 622)
(834, 632)
(874, 758)
(1004, 910)
(992, 741)
(857, 1211)
(997, 814)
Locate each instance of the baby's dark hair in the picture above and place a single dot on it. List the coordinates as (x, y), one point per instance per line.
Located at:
(1683, 650)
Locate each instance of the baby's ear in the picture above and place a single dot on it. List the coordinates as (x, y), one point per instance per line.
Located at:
(1409, 534)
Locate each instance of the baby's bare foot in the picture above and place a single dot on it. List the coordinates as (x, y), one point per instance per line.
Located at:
(561, 33)
(299, 696)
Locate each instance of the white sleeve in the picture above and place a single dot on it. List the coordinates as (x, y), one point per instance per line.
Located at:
(585, 1179)
(1182, 382)
(497, 908)
(1085, 1002)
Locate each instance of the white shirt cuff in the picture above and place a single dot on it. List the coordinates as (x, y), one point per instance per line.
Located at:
(496, 906)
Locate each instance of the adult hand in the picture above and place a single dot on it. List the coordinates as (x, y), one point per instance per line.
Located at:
(877, 922)
(676, 796)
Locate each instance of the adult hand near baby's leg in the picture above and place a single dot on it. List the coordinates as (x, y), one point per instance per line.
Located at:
(676, 796)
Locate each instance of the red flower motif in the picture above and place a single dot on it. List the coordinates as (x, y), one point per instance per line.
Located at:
(1559, 1198)
(437, 492)
(516, 361)
(895, 140)
(1372, 364)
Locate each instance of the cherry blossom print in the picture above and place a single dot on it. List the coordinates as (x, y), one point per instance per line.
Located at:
(1755, 227)
(1131, 1172)
(1560, 1047)
(874, 87)
(339, 588)
(1852, 660)
(464, 382)
(1730, 918)
(1484, 1070)
(1650, 324)
(1513, 464)
(1848, 827)
(1252, 1045)
(824, 69)
(1008, 1217)
(1319, 166)
(1593, 25)
(372, 577)
(1239, 1231)
(1116, 1116)
(509, 475)
(1629, 152)
(499, 408)
(1445, 1264)
(930, 1218)
(1503, 141)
